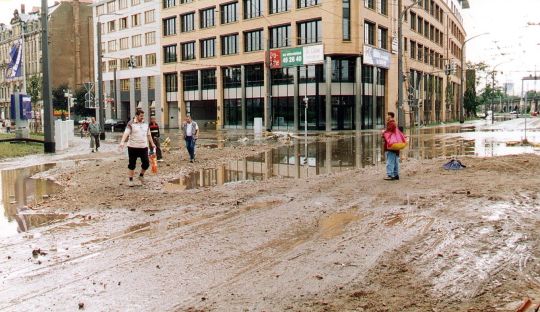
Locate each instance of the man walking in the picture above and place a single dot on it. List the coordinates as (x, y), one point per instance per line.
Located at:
(392, 157)
(94, 130)
(139, 140)
(190, 130)
(154, 131)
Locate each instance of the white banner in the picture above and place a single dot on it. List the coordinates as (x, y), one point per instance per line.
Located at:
(377, 57)
(313, 54)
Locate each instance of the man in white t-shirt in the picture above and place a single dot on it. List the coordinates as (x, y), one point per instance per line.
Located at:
(190, 129)
(139, 139)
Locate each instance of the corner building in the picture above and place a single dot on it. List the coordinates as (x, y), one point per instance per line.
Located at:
(215, 62)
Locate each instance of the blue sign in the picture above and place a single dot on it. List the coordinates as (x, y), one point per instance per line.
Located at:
(25, 107)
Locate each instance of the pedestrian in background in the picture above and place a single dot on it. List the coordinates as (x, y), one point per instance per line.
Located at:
(392, 156)
(190, 130)
(94, 130)
(139, 140)
(154, 131)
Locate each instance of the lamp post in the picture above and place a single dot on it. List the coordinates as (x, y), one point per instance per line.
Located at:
(401, 14)
(462, 89)
(493, 72)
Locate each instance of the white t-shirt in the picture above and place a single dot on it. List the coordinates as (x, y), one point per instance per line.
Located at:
(189, 129)
(138, 134)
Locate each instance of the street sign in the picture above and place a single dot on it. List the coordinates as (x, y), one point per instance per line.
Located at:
(297, 56)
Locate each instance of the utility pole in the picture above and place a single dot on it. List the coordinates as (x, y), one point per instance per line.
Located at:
(101, 111)
(401, 113)
(49, 146)
(268, 97)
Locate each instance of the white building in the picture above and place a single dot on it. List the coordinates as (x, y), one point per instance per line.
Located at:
(129, 29)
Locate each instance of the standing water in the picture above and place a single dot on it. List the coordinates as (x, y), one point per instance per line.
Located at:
(18, 191)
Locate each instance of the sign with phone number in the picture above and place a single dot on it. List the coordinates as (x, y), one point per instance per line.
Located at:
(296, 56)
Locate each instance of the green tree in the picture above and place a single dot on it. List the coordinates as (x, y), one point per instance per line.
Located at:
(58, 98)
(79, 108)
(33, 88)
(470, 102)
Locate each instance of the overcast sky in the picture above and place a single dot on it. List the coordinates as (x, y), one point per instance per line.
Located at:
(510, 40)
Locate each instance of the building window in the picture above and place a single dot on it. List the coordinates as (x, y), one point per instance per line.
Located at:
(188, 51)
(136, 41)
(124, 43)
(207, 18)
(111, 26)
(343, 70)
(370, 4)
(122, 4)
(190, 81)
(232, 77)
(136, 20)
(208, 79)
(229, 44)
(277, 6)
(150, 38)
(123, 23)
(149, 16)
(346, 27)
(137, 83)
(151, 83)
(382, 38)
(307, 3)
(111, 7)
(169, 3)
(187, 22)
(309, 32)
(171, 82)
(383, 9)
(124, 84)
(254, 75)
(138, 61)
(135, 2)
(169, 54)
(100, 10)
(208, 47)
(124, 63)
(253, 40)
(420, 27)
(413, 21)
(252, 8)
(112, 64)
(111, 45)
(151, 59)
(279, 36)
(185, 1)
(369, 33)
(169, 26)
(229, 12)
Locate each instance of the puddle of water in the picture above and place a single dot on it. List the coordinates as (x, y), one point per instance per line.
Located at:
(359, 151)
(18, 191)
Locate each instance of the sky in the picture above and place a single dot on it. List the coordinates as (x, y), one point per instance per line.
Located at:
(512, 46)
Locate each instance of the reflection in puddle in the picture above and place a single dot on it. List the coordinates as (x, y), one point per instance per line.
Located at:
(359, 151)
(18, 191)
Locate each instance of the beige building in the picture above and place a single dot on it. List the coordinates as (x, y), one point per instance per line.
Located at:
(215, 62)
(70, 48)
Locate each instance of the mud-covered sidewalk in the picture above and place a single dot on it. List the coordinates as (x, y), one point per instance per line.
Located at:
(349, 241)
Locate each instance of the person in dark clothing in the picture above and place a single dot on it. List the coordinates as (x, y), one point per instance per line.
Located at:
(392, 157)
(154, 131)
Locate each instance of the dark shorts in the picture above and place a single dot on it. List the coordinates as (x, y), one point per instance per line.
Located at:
(135, 153)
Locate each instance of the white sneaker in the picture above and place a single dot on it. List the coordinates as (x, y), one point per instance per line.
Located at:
(130, 183)
(141, 179)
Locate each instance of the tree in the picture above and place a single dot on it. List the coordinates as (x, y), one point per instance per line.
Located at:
(470, 102)
(79, 108)
(33, 88)
(58, 98)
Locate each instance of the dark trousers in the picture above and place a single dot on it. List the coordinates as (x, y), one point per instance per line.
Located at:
(135, 153)
(158, 147)
(94, 141)
(190, 145)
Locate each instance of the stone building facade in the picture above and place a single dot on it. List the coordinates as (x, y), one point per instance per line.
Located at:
(70, 48)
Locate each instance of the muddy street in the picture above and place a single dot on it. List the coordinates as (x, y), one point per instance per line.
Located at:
(263, 226)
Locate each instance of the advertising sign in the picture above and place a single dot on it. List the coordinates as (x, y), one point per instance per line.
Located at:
(297, 56)
(377, 57)
(25, 107)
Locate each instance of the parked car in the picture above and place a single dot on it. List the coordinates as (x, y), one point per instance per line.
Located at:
(118, 125)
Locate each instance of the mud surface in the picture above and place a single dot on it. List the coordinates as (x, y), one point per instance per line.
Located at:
(339, 241)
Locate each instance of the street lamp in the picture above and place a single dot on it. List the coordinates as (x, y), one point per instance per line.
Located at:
(401, 14)
(461, 92)
(493, 72)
